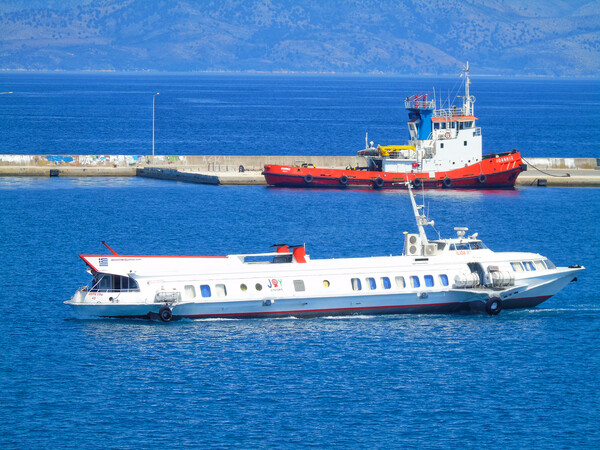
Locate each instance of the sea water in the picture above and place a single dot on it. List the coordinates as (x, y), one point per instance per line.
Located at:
(524, 378)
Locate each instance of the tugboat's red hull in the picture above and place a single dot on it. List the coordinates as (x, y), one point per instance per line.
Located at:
(494, 171)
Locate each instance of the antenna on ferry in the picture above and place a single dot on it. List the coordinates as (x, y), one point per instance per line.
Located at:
(421, 219)
(367, 139)
(108, 247)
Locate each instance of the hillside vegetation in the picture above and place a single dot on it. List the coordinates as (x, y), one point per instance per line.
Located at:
(544, 37)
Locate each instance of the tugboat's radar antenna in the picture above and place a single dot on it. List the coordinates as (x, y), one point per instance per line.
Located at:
(467, 80)
(468, 99)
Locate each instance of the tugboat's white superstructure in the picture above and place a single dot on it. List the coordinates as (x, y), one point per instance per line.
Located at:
(439, 138)
(443, 275)
(444, 151)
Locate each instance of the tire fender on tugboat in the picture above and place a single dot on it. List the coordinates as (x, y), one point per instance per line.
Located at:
(343, 180)
(165, 314)
(482, 178)
(378, 183)
(308, 178)
(417, 182)
(493, 306)
(447, 182)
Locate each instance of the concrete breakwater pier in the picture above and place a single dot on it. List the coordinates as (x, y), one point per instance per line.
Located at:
(246, 170)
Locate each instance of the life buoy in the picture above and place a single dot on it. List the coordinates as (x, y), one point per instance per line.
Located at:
(308, 178)
(165, 314)
(482, 178)
(343, 180)
(447, 182)
(378, 183)
(493, 306)
(417, 183)
(447, 135)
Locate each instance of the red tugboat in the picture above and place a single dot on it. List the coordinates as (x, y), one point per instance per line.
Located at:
(444, 151)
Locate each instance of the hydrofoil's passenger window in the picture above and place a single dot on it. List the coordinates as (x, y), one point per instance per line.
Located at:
(220, 290)
(517, 266)
(428, 280)
(414, 281)
(444, 279)
(372, 284)
(205, 290)
(189, 291)
(385, 283)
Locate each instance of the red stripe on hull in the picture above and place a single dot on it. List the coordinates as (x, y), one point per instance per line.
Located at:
(500, 171)
(434, 308)
(372, 310)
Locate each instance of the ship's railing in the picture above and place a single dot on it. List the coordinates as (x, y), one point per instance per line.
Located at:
(419, 104)
(453, 112)
(110, 290)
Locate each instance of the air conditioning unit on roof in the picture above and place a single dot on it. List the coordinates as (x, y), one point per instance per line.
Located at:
(412, 245)
(430, 249)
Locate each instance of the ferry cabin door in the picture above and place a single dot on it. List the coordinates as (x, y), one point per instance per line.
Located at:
(480, 271)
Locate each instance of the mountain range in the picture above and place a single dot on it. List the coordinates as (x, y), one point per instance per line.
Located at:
(556, 38)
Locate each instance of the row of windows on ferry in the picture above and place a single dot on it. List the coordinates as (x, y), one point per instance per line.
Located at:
(119, 283)
(401, 282)
(370, 283)
(530, 266)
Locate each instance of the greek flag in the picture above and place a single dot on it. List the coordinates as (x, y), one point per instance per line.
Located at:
(103, 262)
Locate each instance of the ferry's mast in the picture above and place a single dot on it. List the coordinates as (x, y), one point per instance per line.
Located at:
(421, 219)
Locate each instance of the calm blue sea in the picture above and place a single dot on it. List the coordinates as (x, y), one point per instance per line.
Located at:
(522, 379)
(271, 115)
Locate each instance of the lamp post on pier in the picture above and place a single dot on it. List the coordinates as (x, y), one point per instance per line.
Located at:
(153, 101)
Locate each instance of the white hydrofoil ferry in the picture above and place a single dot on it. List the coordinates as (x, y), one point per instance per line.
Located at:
(432, 276)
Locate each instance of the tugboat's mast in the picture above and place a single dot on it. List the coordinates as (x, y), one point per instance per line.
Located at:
(468, 100)
(467, 81)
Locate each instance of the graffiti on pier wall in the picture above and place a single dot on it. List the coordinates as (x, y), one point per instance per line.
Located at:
(89, 160)
(60, 159)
